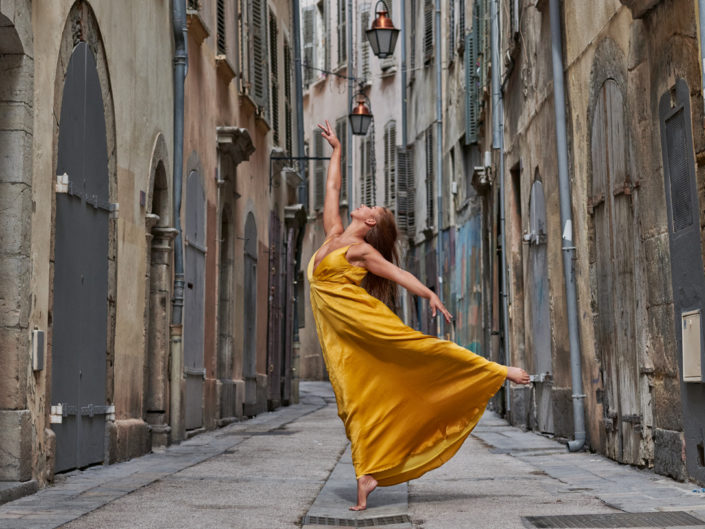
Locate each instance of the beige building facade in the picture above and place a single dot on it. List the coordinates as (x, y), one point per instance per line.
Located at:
(96, 369)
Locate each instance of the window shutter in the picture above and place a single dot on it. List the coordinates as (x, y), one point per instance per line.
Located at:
(402, 175)
(318, 171)
(410, 193)
(451, 30)
(220, 8)
(274, 74)
(259, 56)
(326, 35)
(341, 130)
(365, 45)
(429, 179)
(373, 165)
(461, 25)
(428, 30)
(309, 27)
(390, 165)
(288, 117)
(471, 88)
(342, 41)
(412, 37)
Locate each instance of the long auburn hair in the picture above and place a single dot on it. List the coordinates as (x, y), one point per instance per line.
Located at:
(383, 237)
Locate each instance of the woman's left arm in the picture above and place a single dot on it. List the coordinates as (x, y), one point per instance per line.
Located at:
(378, 265)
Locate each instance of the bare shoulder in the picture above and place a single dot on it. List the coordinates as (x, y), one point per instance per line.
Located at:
(358, 253)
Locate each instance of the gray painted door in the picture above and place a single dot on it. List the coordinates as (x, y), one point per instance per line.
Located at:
(540, 315)
(250, 316)
(613, 263)
(80, 311)
(194, 299)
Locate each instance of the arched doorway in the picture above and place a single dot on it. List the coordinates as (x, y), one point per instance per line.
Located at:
(194, 299)
(249, 312)
(613, 261)
(80, 307)
(159, 238)
(539, 303)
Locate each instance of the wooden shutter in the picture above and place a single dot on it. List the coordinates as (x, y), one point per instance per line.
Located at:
(390, 164)
(451, 30)
(365, 45)
(274, 74)
(430, 210)
(471, 88)
(288, 116)
(373, 165)
(341, 130)
(461, 25)
(410, 192)
(428, 30)
(402, 174)
(259, 55)
(220, 9)
(309, 45)
(318, 171)
(326, 35)
(342, 41)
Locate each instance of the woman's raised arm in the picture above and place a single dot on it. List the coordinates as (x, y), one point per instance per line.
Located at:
(332, 223)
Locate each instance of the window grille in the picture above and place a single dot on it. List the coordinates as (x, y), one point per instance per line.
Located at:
(390, 164)
(341, 130)
(274, 75)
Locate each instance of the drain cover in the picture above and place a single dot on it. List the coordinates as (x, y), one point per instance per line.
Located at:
(622, 519)
(359, 522)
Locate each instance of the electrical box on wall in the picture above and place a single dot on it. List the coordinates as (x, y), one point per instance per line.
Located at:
(690, 322)
(37, 350)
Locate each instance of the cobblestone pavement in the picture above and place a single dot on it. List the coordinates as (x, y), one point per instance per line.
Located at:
(291, 468)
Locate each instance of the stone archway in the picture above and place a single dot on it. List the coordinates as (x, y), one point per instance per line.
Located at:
(159, 236)
(16, 93)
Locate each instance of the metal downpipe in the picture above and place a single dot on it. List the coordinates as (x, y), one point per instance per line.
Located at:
(498, 143)
(298, 87)
(349, 140)
(175, 343)
(439, 163)
(567, 224)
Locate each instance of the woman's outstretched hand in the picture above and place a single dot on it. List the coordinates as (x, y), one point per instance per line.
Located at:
(329, 134)
(435, 303)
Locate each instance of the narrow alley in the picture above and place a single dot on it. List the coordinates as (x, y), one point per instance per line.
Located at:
(291, 468)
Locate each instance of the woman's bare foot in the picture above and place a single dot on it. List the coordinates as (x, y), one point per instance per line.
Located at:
(517, 375)
(365, 485)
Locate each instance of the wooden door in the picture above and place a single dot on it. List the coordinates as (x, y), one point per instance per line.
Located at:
(613, 262)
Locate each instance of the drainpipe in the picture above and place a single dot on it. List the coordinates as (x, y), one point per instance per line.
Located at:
(176, 328)
(498, 143)
(404, 131)
(439, 162)
(567, 223)
(298, 82)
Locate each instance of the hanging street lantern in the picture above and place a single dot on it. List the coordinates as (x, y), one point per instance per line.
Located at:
(383, 35)
(360, 114)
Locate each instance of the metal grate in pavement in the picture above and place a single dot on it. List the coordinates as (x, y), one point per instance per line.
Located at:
(358, 522)
(616, 520)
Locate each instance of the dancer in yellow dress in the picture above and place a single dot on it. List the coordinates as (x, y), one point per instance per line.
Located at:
(408, 400)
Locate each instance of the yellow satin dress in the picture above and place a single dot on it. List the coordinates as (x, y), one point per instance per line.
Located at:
(408, 400)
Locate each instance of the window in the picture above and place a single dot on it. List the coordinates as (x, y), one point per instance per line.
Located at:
(461, 25)
(324, 16)
(220, 8)
(319, 179)
(309, 28)
(260, 67)
(430, 210)
(428, 31)
(390, 164)
(406, 191)
(288, 115)
(364, 46)
(451, 31)
(342, 35)
(341, 130)
(274, 77)
(368, 168)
